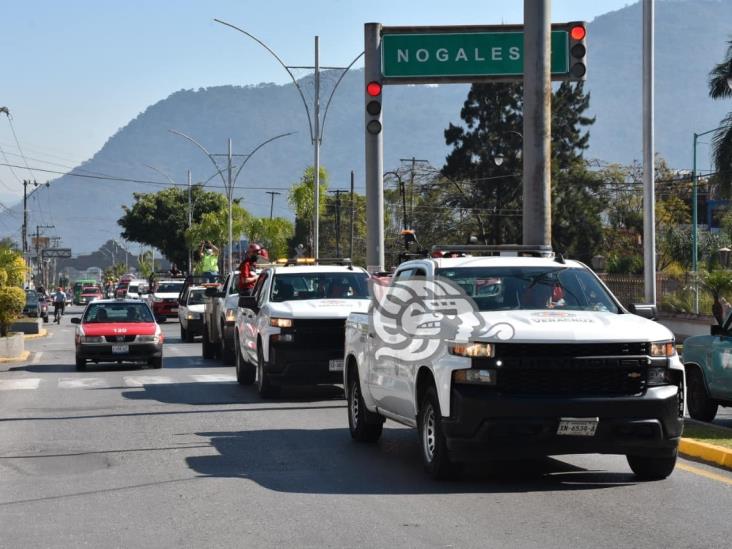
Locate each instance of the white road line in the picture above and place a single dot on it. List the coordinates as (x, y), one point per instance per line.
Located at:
(213, 378)
(141, 381)
(37, 357)
(22, 383)
(82, 382)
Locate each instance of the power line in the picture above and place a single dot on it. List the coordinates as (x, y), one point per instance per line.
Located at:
(17, 142)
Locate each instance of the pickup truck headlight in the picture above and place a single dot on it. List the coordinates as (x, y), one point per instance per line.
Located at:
(91, 339)
(662, 349)
(473, 350)
(193, 316)
(230, 315)
(474, 376)
(280, 322)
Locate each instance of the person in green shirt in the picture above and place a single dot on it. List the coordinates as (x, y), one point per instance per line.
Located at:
(209, 264)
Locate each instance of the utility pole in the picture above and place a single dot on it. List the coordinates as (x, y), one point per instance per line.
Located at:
(649, 185)
(350, 248)
(271, 204)
(413, 161)
(41, 270)
(190, 224)
(537, 211)
(338, 193)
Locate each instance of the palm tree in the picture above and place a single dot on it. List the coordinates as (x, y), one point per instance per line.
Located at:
(721, 88)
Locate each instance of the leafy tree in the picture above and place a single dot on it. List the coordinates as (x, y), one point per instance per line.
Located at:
(273, 234)
(161, 219)
(722, 142)
(302, 200)
(12, 296)
(214, 226)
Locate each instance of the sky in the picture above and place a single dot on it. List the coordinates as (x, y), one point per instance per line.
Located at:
(76, 71)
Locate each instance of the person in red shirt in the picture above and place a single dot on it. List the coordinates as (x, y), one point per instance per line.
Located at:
(247, 275)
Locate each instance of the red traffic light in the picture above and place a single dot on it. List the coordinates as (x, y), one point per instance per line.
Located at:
(373, 88)
(578, 32)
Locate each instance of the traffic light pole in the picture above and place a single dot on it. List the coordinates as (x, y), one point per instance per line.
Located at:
(649, 188)
(537, 213)
(374, 144)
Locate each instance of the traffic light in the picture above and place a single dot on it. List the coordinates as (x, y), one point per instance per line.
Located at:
(577, 51)
(373, 107)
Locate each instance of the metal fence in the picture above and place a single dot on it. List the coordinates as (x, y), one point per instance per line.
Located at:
(630, 288)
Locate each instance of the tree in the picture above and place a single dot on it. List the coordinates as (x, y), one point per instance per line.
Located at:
(161, 219)
(273, 234)
(12, 296)
(722, 142)
(302, 200)
(214, 226)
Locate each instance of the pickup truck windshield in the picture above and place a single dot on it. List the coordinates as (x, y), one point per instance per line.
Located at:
(510, 288)
(169, 288)
(299, 286)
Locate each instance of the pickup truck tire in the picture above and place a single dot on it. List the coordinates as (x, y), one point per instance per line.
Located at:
(245, 372)
(183, 334)
(80, 364)
(264, 385)
(433, 445)
(652, 468)
(207, 350)
(701, 407)
(225, 352)
(156, 362)
(365, 426)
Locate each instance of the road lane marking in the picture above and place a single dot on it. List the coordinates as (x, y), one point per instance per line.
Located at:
(37, 358)
(141, 381)
(81, 383)
(27, 383)
(213, 378)
(704, 473)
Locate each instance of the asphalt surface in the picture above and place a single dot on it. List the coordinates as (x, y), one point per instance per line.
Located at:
(185, 457)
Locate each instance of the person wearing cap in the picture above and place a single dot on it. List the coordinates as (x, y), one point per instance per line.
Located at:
(209, 261)
(247, 274)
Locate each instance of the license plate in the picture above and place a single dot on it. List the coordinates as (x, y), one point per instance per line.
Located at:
(578, 427)
(335, 365)
(120, 349)
(174, 309)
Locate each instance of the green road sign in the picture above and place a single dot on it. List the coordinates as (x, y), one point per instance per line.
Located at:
(463, 56)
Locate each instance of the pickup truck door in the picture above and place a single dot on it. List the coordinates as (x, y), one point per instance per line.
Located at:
(250, 331)
(390, 379)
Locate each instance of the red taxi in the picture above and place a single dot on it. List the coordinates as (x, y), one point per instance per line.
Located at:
(118, 330)
(90, 293)
(164, 299)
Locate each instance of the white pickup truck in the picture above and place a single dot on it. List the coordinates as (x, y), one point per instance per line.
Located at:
(514, 354)
(291, 330)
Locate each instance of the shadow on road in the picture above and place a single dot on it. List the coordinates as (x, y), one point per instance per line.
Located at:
(228, 392)
(327, 461)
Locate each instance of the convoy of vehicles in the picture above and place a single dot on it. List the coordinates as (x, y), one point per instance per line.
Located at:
(118, 330)
(79, 285)
(560, 367)
(291, 329)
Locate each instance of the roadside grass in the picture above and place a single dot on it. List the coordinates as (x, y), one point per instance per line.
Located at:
(710, 434)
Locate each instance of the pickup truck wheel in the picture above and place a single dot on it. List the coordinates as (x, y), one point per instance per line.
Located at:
(701, 407)
(156, 362)
(652, 468)
(183, 335)
(80, 364)
(435, 455)
(264, 385)
(365, 426)
(206, 348)
(189, 336)
(225, 352)
(245, 372)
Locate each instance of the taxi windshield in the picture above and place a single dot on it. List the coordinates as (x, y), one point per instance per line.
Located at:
(98, 313)
(511, 288)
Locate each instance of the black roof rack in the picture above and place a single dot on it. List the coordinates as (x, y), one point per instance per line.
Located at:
(519, 250)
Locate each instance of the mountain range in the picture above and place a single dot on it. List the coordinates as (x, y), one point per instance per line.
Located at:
(691, 37)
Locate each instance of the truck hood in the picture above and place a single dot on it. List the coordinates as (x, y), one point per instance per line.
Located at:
(553, 326)
(319, 308)
(196, 308)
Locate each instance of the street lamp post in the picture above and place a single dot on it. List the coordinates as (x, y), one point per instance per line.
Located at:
(230, 180)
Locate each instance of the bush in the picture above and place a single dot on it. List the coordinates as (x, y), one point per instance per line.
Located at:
(12, 301)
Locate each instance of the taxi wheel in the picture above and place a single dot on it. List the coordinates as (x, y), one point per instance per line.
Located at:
(80, 364)
(264, 385)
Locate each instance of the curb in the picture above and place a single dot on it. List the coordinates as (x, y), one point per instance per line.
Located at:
(42, 333)
(709, 453)
(19, 358)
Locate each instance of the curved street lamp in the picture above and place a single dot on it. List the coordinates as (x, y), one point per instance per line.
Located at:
(230, 182)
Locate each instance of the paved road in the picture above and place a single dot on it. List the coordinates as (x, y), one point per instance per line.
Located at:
(185, 457)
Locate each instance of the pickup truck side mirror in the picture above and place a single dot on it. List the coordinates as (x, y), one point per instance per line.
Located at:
(717, 330)
(248, 302)
(76, 320)
(646, 311)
